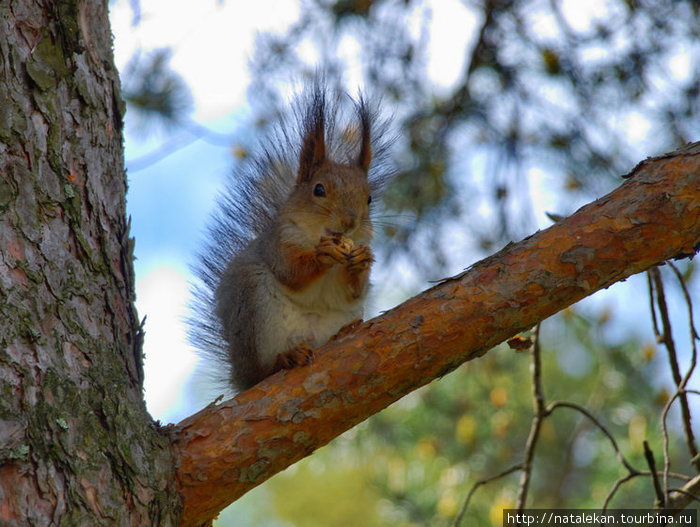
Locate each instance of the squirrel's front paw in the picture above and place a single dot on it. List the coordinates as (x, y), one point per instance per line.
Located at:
(299, 355)
(359, 259)
(333, 249)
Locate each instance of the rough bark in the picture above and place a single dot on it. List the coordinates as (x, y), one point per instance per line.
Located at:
(77, 446)
(225, 450)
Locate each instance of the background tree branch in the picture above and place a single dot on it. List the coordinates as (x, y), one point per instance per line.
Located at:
(227, 449)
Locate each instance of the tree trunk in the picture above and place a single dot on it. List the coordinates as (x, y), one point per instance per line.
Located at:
(228, 449)
(77, 446)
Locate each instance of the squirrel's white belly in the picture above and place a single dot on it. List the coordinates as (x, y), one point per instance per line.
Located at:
(311, 317)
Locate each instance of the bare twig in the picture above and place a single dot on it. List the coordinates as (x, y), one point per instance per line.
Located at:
(664, 433)
(565, 404)
(652, 307)
(462, 511)
(536, 424)
(632, 472)
(660, 496)
(616, 487)
(629, 477)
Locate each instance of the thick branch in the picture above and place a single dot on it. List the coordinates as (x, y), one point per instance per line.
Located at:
(226, 450)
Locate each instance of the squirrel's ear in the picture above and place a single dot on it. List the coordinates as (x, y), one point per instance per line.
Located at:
(313, 148)
(365, 157)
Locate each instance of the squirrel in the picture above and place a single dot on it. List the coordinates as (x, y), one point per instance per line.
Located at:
(287, 259)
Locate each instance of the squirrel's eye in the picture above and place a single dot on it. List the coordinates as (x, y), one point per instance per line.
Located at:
(369, 199)
(319, 191)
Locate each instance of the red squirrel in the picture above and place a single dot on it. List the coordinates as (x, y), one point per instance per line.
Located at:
(288, 260)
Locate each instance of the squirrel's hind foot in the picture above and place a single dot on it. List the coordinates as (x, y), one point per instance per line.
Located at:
(299, 355)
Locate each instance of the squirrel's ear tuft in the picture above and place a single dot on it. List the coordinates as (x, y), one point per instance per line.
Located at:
(365, 157)
(313, 147)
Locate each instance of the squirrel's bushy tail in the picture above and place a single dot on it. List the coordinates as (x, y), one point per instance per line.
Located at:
(256, 189)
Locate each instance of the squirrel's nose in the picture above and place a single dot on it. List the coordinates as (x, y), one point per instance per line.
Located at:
(348, 221)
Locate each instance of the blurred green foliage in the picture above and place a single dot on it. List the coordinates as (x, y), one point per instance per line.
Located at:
(156, 96)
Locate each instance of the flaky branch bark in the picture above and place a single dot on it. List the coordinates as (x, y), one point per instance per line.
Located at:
(226, 450)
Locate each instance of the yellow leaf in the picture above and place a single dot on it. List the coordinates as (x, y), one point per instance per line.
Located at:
(499, 397)
(466, 429)
(496, 512)
(648, 351)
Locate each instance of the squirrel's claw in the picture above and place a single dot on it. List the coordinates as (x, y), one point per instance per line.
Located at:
(359, 259)
(299, 355)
